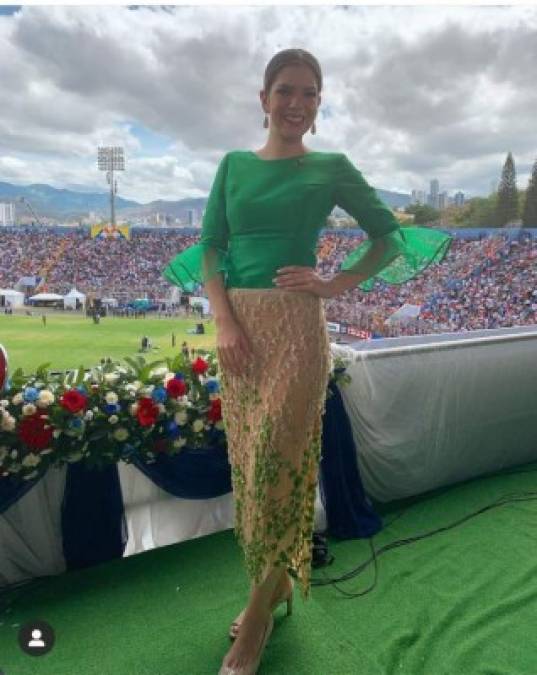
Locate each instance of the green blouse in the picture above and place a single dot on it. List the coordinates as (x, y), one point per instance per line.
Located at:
(263, 214)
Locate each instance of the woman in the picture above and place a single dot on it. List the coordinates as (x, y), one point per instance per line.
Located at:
(256, 258)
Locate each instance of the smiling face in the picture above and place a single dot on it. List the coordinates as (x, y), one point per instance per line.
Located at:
(292, 102)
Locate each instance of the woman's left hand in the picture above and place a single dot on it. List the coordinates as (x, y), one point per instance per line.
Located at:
(299, 278)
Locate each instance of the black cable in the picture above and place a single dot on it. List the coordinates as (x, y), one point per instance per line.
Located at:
(501, 501)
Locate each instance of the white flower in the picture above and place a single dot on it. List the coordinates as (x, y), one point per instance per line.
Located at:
(147, 391)
(136, 384)
(181, 417)
(197, 425)
(159, 372)
(46, 397)
(17, 399)
(29, 409)
(8, 423)
(4, 403)
(95, 409)
(111, 398)
(169, 376)
(31, 460)
(14, 454)
(57, 433)
(121, 434)
(161, 407)
(89, 415)
(179, 442)
(111, 378)
(113, 419)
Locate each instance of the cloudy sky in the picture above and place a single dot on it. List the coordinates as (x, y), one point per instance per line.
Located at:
(410, 94)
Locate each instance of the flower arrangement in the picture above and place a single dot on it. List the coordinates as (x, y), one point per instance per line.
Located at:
(112, 412)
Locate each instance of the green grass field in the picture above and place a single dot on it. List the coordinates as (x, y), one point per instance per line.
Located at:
(69, 341)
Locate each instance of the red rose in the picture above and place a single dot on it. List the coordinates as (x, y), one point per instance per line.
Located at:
(74, 401)
(32, 431)
(175, 387)
(200, 366)
(215, 412)
(147, 412)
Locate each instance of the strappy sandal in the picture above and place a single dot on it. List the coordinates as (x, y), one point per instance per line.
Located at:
(288, 598)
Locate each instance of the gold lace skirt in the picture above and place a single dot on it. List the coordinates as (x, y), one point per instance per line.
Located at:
(272, 417)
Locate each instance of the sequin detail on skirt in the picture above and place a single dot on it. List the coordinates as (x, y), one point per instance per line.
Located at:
(273, 421)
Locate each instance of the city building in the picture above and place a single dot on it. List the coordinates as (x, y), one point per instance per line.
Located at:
(433, 194)
(7, 214)
(459, 198)
(191, 217)
(443, 200)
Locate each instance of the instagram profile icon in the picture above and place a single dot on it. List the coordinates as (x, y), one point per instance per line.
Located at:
(36, 638)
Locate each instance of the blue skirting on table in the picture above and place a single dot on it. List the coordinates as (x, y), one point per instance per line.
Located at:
(349, 511)
(93, 520)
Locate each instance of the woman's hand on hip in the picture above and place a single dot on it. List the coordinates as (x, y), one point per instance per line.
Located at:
(233, 347)
(300, 278)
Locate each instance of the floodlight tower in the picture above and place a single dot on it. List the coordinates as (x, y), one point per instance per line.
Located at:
(110, 159)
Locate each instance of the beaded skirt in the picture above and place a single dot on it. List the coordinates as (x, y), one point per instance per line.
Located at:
(273, 421)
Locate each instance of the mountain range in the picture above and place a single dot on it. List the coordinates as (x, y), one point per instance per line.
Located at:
(63, 204)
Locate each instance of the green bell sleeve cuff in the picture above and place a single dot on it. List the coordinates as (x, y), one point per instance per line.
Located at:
(397, 256)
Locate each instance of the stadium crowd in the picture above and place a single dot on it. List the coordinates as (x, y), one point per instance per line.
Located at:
(486, 283)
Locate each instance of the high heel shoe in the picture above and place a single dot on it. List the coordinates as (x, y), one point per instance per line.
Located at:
(251, 668)
(286, 597)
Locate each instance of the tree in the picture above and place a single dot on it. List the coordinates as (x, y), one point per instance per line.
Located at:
(422, 213)
(529, 215)
(507, 204)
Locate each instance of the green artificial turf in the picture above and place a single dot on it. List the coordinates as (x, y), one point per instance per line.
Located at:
(460, 602)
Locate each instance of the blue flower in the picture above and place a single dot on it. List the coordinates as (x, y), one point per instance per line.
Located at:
(173, 429)
(212, 386)
(159, 395)
(112, 408)
(30, 394)
(82, 389)
(179, 376)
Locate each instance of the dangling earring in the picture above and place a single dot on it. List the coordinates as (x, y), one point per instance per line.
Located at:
(265, 122)
(313, 128)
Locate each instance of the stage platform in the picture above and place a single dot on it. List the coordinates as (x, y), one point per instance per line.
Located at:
(459, 602)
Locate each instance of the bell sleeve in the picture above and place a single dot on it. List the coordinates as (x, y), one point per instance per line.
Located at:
(390, 253)
(200, 262)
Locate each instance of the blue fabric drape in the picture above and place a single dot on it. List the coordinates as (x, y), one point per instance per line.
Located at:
(349, 512)
(93, 519)
(192, 474)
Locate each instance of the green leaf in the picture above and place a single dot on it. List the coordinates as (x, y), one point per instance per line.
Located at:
(80, 376)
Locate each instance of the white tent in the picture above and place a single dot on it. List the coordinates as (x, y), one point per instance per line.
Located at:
(46, 297)
(11, 296)
(404, 313)
(71, 298)
(110, 302)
